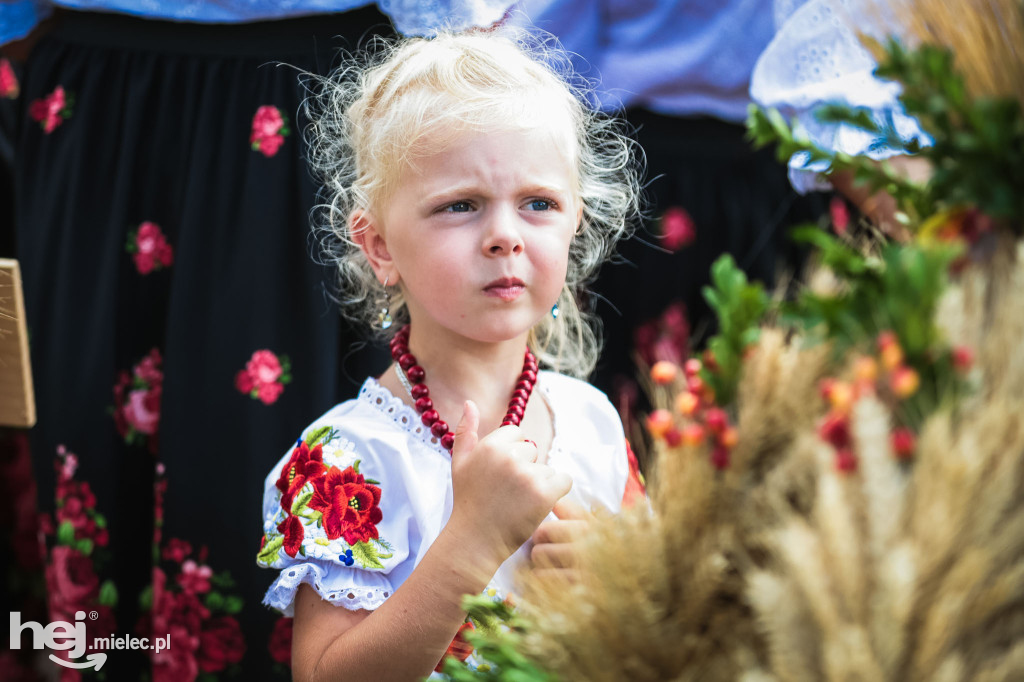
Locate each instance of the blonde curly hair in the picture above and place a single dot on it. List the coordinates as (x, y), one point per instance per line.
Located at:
(386, 107)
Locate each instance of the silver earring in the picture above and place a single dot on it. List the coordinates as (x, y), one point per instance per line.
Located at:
(384, 316)
(554, 311)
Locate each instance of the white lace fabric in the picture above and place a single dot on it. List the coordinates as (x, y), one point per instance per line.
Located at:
(815, 58)
(384, 438)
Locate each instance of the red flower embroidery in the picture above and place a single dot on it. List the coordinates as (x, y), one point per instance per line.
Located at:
(264, 376)
(52, 109)
(9, 87)
(137, 398)
(293, 533)
(677, 229)
(459, 648)
(348, 504)
(149, 248)
(280, 644)
(195, 578)
(304, 465)
(269, 128)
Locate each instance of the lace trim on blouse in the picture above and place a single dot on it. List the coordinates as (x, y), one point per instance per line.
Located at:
(281, 594)
(406, 418)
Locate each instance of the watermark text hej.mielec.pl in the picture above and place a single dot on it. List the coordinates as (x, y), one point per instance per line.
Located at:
(71, 637)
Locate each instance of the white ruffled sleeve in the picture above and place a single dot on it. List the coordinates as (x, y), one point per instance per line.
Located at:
(426, 17)
(328, 522)
(816, 58)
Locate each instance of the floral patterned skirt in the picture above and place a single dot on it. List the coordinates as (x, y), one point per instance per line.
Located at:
(182, 331)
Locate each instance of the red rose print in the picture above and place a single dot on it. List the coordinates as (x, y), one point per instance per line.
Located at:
(280, 645)
(177, 662)
(348, 504)
(303, 466)
(71, 582)
(677, 229)
(176, 550)
(269, 128)
(9, 87)
(293, 533)
(220, 644)
(149, 248)
(195, 578)
(137, 398)
(459, 648)
(264, 376)
(52, 109)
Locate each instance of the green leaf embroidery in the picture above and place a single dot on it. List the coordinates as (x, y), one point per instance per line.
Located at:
(108, 594)
(300, 502)
(316, 435)
(271, 551)
(367, 555)
(66, 534)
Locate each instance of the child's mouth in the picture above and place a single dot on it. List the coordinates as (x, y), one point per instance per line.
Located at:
(506, 288)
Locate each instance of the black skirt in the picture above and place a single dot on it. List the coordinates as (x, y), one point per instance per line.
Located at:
(182, 332)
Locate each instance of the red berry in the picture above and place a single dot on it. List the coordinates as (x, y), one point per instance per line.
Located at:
(963, 358)
(673, 437)
(720, 457)
(716, 419)
(903, 443)
(835, 430)
(691, 367)
(845, 460)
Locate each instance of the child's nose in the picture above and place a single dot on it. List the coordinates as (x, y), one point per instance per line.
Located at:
(503, 235)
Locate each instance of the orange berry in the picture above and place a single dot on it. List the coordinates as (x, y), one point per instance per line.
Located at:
(691, 367)
(903, 443)
(887, 338)
(904, 382)
(659, 422)
(865, 369)
(892, 356)
(729, 437)
(708, 395)
(693, 434)
(841, 396)
(663, 372)
(687, 403)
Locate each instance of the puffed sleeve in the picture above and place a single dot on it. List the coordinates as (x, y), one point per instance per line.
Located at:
(816, 58)
(327, 522)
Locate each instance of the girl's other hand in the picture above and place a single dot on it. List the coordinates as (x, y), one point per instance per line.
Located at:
(501, 493)
(555, 542)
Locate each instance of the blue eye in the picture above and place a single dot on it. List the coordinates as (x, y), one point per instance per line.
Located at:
(459, 207)
(540, 205)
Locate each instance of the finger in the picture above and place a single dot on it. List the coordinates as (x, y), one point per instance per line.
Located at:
(553, 483)
(555, 531)
(568, 576)
(554, 556)
(466, 432)
(524, 451)
(566, 509)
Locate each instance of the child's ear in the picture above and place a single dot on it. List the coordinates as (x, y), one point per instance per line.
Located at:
(365, 232)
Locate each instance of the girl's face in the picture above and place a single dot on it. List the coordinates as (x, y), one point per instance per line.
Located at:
(478, 233)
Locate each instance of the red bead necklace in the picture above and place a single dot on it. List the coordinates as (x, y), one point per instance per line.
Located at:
(411, 369)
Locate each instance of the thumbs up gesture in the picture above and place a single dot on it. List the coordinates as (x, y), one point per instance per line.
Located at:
(501, 493)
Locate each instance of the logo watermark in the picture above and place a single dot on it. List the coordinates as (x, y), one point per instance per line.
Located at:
(71, 637)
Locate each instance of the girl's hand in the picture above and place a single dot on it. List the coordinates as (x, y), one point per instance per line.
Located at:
(555, 542)
(501, 493)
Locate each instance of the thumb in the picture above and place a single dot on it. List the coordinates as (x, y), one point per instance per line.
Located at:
(466, 432)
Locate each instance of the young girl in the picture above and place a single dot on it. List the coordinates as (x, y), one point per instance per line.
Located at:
(473, 195)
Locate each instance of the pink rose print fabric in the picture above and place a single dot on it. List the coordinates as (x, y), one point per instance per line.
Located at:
(149, 248)
(137, 398)
(264, 376)
(9, 87)
(677, 229)
(52, 110)
(269, 128)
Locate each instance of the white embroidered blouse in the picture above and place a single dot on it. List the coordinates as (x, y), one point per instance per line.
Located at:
(355, 505)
